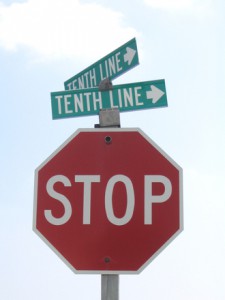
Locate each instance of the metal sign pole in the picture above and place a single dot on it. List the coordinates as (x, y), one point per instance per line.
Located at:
(110, 287)
(109, 283)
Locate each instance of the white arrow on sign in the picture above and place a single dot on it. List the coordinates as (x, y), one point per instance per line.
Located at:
(128, 57)
(155, 94)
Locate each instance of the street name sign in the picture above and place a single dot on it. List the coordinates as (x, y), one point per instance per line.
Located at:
(111, 66)
(108, 201)
(125, 97)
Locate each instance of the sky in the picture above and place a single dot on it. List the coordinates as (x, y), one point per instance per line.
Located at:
(45, 42)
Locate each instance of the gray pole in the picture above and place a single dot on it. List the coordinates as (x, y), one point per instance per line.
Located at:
(109, 283)
(110, 287)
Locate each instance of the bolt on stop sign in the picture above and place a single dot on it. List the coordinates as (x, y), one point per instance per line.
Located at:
(108, 201)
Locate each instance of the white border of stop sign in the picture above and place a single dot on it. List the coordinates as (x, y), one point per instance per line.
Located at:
(88, 181)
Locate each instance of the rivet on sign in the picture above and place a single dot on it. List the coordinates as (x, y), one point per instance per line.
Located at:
(108, 139)
(107, 259)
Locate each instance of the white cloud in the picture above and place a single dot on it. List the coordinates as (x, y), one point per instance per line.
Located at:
(198, 7)
(62, 28)
(170, 4)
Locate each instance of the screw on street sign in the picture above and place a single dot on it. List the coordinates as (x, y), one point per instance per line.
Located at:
(125, 97)
(111, 66)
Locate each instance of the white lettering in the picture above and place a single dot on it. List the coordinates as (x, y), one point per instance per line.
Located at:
(59, 98)
(117, 62)
(120, 98)
(87, 95)
(70, 86)
(137, 95)
(129, 197)
(74, 87)
(81, 82)
(112, 66)
(106, 69)
(112, 105)
(109, 201)
(97, 100)
(86, 79)
(78, 102)
(61, 198)
(101, 72)
(67, 103)
(128, 97)
(74, 84)
(87, 180)
(150, 198)
(93, 82)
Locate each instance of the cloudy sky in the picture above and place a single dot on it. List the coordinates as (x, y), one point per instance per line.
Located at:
(45, 42)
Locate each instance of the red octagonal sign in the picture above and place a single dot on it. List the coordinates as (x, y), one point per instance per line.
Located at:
(108, 201)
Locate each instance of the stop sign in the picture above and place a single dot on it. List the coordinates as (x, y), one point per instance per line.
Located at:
(108, 201)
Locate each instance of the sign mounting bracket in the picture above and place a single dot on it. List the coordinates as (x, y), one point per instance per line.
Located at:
(105, 85)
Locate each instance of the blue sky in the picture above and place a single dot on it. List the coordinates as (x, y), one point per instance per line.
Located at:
(42, 44)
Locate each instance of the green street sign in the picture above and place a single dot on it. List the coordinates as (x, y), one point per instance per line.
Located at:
(111, 66)
(125, 97)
